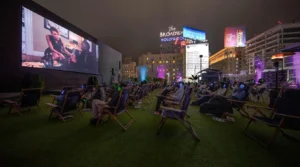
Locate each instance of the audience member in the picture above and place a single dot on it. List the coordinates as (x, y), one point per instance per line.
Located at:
(177, 96)
(205, 98)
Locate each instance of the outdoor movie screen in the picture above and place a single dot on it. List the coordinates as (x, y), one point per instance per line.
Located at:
(46, 44)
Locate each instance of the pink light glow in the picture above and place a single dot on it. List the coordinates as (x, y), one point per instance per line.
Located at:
(259, 67)
(296, 66)
(161, 71)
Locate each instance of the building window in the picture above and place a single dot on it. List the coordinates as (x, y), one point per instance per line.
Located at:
(159, 62)
(147, 58)
(173, 57)
(173, 69)
(153, 62)
(167, 61)
(173, 61)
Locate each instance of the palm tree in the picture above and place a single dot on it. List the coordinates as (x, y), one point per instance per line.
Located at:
(194, 77)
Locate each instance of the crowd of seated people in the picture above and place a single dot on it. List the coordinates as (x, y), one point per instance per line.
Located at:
(221, 106)
(221, 91)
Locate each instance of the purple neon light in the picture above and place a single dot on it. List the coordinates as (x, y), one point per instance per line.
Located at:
(161, 71)
(259, 67)
(296, 66)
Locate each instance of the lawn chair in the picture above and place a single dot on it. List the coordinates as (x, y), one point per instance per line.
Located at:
(174, 103)
(178, 114)
(120, 108)
(71, 102)
(286, 115)
(240, 105)
(260, 94)
(64, 91)
(29, 98)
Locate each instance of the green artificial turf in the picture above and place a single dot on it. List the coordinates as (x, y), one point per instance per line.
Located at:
(31, 140)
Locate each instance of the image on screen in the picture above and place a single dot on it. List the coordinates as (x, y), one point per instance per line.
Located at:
(46, 44)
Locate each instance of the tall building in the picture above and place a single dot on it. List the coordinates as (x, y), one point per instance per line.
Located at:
(231, 61)
(128, 71)
(127, 60)
(162, 65)
(261, 48)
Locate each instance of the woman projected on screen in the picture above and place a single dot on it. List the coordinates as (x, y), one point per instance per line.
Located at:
(56, 45)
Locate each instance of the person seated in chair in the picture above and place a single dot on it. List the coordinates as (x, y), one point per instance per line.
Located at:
(98, 105)
(201, 89)
(240, 94)
(220, 92)
(257, 88)
(177, 96)
(95, 93)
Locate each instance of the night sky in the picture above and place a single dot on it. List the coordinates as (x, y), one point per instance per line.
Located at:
(132, 26)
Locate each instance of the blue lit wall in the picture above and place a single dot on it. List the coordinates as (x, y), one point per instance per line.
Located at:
(143, 73)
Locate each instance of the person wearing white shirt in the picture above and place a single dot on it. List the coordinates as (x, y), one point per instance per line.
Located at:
(177, 96)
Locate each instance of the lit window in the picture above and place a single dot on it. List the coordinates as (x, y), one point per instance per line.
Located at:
(153, 62)
(159, 62)
(173, 69)
(173, 73)
(147, 58)
(173, 61)
(167, 61)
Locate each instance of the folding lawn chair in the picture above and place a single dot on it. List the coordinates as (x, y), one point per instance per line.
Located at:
(285, 115)
(28, 98)
(120, 108)
(240, 105)
(260, 94)
(64, 91)
(178, 114)
(174, 103)
(71, 102)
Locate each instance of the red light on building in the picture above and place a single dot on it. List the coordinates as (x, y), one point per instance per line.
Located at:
(182, 43)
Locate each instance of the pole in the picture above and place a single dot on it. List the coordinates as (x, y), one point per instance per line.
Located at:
(200, 66)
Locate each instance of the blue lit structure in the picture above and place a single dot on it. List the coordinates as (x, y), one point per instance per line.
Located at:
(143, 73)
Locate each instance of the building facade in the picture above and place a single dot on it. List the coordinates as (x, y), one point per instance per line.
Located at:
(260, 49)
(168, 66)
(128, 71)
(231, 61)
(110, 64)
(127, 60)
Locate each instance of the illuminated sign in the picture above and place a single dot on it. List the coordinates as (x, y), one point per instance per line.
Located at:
(171, 33)
(193, 53)
(235, 37)
(169, 39)
(194, 34)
